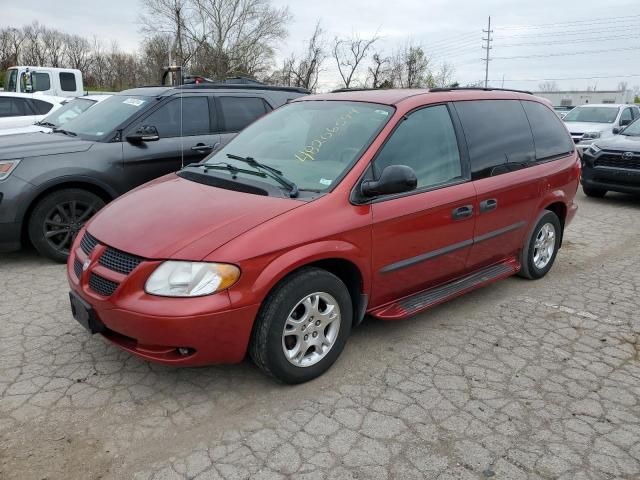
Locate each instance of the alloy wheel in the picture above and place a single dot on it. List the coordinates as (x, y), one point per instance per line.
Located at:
(64, 221)
(544, 246)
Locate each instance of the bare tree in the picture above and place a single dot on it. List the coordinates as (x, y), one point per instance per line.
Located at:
(54, 47)
(78, 52)
(441, 78)
(549, 86)
(379, 71)
(410, 67)
(349, 53)
(623, 86)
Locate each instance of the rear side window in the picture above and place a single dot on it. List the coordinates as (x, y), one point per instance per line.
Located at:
(13, 107)
(40, 107)
(195, 117)
(239, 112)
(67, 82)
(549, 134)
(41, 82)
(497, 132)
(426, 142)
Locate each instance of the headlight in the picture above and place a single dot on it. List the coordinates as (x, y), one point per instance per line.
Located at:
(591, 135)
(6, 167)
(191, 279)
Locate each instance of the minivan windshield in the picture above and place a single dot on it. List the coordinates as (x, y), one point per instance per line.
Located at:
(592, 114)
(101, 120)
(67, 112)
(312, 143)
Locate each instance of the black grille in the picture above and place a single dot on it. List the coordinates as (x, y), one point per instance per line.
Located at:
(616, 161)
(88, 243)
(101, 285)
(77, 268)
(119, 261)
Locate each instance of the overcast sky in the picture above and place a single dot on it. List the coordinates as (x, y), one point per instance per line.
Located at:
(542, 31)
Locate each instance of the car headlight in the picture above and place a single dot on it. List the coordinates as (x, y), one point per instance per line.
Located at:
(6, 167)
(591, 135)
(191, 279)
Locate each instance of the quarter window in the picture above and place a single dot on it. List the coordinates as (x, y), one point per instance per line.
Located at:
(67, 82)
(41, 107)
(549, 134)
(195, 117)
(497, 132)
(239, 112)
(426, 142)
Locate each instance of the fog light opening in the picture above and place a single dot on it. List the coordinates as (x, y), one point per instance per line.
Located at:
(185, 351)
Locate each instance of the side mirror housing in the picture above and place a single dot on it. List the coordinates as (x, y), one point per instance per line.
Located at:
(394, 179)
(617, 130)
(146, 133)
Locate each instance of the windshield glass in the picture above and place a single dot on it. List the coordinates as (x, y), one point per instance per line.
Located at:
(592, 114)
(68, 111)
(11, 80)
(104, 118)
(633, 129)
(313, 143)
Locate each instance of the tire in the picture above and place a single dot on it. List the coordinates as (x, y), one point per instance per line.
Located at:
(284, 307)
(594, 192)
(64, 211)
(536, 260)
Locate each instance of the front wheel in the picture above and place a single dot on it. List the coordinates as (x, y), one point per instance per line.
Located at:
(541, 248)
(57, 219)
(303, 326)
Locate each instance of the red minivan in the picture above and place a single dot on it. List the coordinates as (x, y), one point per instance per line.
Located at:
(330, 208)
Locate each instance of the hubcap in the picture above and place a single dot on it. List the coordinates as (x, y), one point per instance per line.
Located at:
(544, 246)
(311, 329)
(64, 221)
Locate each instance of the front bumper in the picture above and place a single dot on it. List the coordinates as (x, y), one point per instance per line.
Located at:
(611, 179)
(208, 328)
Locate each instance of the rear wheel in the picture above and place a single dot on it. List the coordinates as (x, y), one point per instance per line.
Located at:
(57, 219)
(539, 253)
(594, 192)
(303, 326)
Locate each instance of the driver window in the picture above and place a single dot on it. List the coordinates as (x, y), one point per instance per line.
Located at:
(426, 142)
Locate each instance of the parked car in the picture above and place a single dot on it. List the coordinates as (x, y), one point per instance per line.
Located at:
(613, 164)
(332, 207)
(60, 82)
(68, 111)
(51, 184)
(21, 109)
(593, 121)
(562, 110)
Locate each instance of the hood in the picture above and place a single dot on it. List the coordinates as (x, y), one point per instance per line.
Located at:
(581, 127)
(176, 218)
(39, 144)
(29, 129)
(620, 142)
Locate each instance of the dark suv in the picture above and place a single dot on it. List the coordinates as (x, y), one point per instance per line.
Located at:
(613, 164)
(51, 184)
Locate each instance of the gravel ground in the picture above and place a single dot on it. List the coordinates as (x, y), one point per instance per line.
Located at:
(519, 380)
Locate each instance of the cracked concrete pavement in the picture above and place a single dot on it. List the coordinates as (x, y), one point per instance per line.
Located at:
(519, 380)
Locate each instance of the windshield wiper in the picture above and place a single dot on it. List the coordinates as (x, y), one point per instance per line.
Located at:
(66, 132)
(226, 166)
(270, 171)
(42, 123)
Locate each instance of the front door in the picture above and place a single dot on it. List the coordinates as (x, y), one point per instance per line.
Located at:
(422, 238)
(185, 131)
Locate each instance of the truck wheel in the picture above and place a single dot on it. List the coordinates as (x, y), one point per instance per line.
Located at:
(57, 219)
(302, 326)
(541, 247)
(594, 192)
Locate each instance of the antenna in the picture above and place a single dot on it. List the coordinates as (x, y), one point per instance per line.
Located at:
(488, 47)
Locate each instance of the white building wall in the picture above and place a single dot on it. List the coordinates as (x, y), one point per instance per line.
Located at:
(580, 98)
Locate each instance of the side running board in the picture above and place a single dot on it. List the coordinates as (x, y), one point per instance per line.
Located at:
(413, 304)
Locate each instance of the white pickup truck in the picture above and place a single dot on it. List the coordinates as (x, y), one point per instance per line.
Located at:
(58, 82)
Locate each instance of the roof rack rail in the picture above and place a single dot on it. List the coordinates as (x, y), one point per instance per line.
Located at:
(486, 89)
(241, 86)
(355, 89)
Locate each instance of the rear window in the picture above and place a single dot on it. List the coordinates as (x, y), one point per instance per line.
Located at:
(497, 132)
(239, 112)
(550, 137)
(41, 82)
(67, 82)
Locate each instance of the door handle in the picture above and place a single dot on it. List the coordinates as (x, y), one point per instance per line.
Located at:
(201, 147)
(462, 212)
(488, 205)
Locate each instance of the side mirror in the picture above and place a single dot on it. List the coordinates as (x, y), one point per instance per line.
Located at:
(394, 179)
(617, 130)
(624, 122)
(146, 133)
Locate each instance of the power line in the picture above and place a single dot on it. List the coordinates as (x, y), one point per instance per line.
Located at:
(572, 41)
(568, 78)
(574, 32)
(575, 22)
(566, 54)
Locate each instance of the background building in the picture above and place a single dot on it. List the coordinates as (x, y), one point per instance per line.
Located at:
(575, 98)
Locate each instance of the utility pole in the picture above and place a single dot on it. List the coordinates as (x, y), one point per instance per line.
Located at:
(488, 47)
